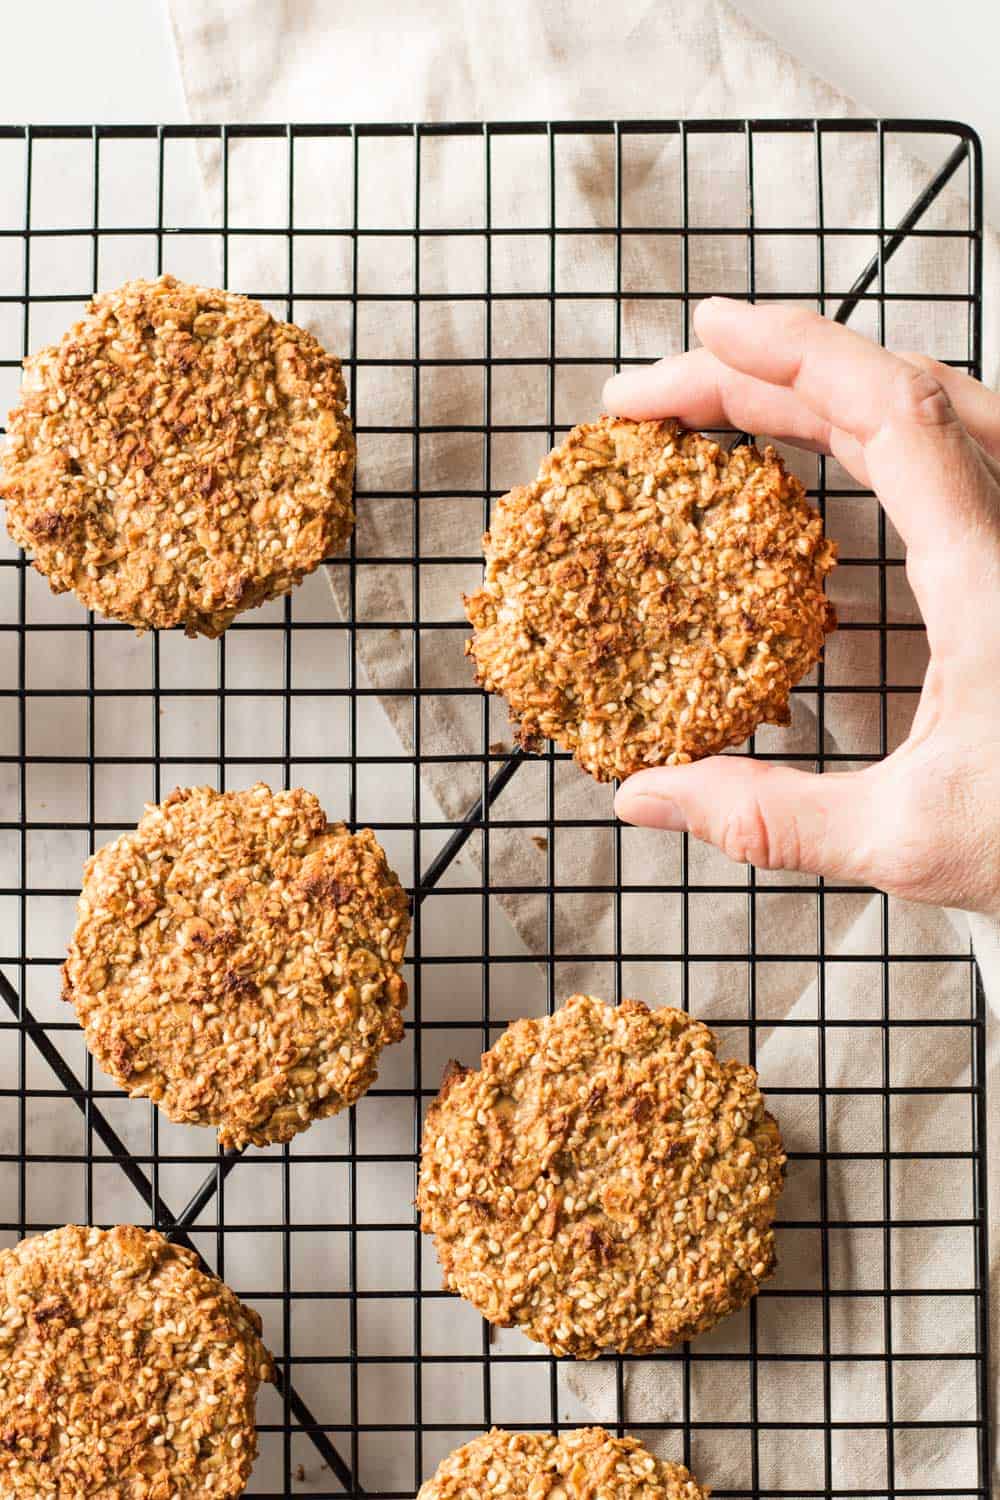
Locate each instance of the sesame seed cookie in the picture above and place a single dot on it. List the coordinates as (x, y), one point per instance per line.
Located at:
(604, 1182)
(542, 1466)
(180, 456)
(126, 1371)
(650, 598)
(237, 960)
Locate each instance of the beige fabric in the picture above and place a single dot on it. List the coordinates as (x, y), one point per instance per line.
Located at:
(454, 60)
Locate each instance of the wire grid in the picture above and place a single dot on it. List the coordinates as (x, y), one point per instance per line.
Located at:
(381, 1373)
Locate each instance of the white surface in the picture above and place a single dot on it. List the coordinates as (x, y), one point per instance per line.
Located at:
(901, 57)
(69, 63)
(893, 56)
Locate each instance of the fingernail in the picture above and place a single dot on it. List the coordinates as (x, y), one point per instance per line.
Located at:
(651, 810)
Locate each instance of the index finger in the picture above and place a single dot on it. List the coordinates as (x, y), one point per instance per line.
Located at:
(930, 476)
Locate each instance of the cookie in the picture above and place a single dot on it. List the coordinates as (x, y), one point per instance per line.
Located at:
(126, 1371)
(542, 1466)
(603, 1182)
(179, 457)
(237, 960)
(650, 598)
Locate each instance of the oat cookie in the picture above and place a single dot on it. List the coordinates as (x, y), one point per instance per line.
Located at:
(126, 1371)
(604, 1182)
(180, 456)
(237, 959)
(584, 1465)
(650, 598)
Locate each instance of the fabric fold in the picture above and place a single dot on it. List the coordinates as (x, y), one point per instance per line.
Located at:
(696, 58)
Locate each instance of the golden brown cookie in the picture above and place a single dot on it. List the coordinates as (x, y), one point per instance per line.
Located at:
(180, 456)
(237, 959)
(588, 1464)
(126, 1371)
(650, 598)
(604, 1182)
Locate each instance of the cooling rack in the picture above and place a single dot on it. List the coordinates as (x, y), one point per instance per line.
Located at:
(481, 281)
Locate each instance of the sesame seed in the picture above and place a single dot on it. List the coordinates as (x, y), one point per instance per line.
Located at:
(566, 1181)
(592, 595)
(106, 1364)
(177, 435)
(205, 933)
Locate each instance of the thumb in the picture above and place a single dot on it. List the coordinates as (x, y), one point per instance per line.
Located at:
(760, 814)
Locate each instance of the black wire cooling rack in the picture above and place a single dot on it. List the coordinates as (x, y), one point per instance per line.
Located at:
(481, 282)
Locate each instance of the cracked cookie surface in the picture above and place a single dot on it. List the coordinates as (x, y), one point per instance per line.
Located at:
(603, 1181)
(179, 457)
(126, 1371)
(237, 959)
(650, 598)
(581, 1465)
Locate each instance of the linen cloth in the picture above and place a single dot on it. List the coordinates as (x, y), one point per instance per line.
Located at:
(254, 60)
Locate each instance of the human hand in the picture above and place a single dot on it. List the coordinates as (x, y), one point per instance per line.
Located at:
(925, 822)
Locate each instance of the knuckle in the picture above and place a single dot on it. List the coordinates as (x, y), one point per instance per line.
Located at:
(922, 362)
(749, 839)
(919, 398)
